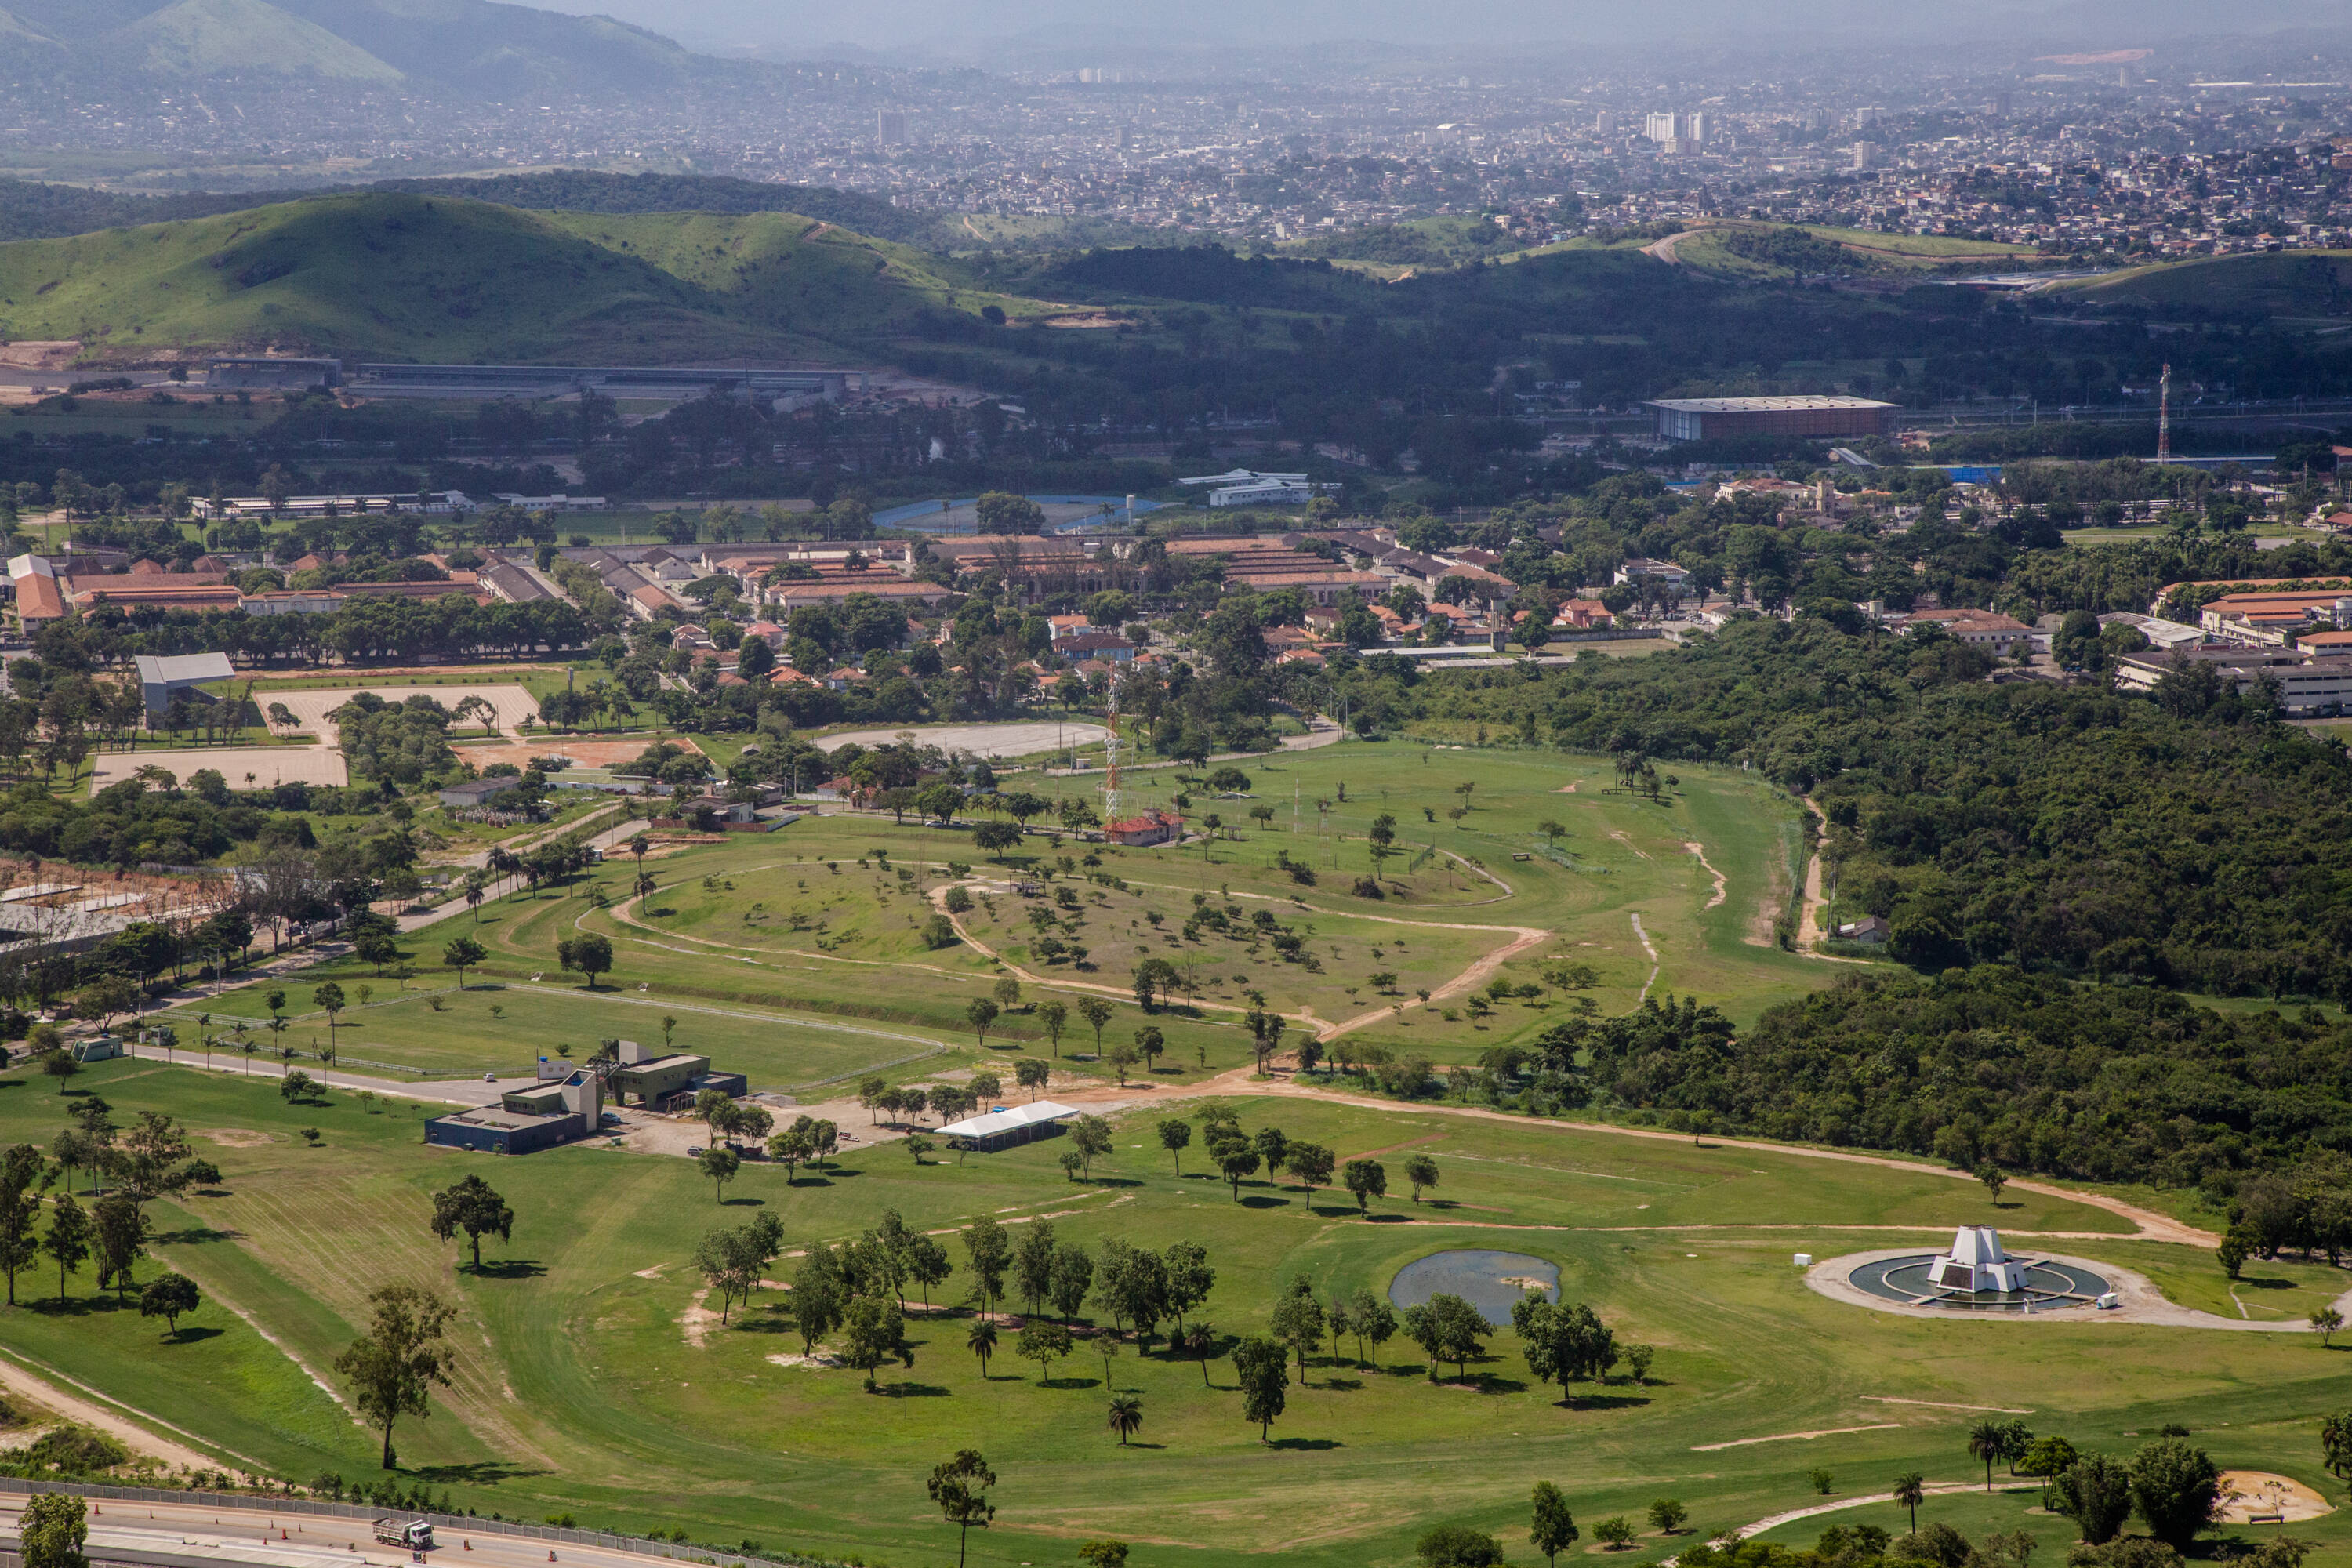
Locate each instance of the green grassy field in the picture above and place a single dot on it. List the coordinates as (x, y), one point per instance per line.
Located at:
(791, 923)
(588, 1382)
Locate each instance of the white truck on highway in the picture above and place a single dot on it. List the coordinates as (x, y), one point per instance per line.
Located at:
(416, 1534)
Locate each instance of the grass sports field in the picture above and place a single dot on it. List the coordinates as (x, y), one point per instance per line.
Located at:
(590, 1380)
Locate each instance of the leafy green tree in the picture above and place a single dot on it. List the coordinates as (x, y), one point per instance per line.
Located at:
(590, 952)
(1052, 1016)
(1365, 1181)
(1667, 1515)
(1563, 1342)
(1043, 1341)
(875, 1331)
(1096, 1013)
(1459, 1546)
(68, 1238)
(52, 1530)
(1422, 1172)
(1176, 1136)
(730, 1262)
(1238, 1162)
(119, 1232)
(462, 953)
(980, 1013)
(1103, 1553)
(820, 1296)
(989, 1254)
(2052, 1456)
(2095, 1492)
(1261, 1367)
(1446, 1328)
(1614, 1534)
(1554, 1530)
(2177, 1489)
(1311, 1164)
(169, 1296)
(24, 1177)
(719, 1165)
(960, 1488)
(471, 1205)
(1373, 1320)
(1090, 1136)
(392, 1367)
(1298, 1322)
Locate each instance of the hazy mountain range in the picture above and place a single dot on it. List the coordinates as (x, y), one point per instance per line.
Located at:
(1008, 34)
(464, 44)
(493, 50)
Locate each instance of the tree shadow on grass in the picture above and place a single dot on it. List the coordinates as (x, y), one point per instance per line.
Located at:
(2250, 1283)
(1583, 1401)
(744, 1203)
(1263, 1201)
(191, 1334)
(195, 1236)
(509, 1268)
(1343, 1384)
(1314, 1445)
(913, 1391)
(1391, 1219)
(481, 1473)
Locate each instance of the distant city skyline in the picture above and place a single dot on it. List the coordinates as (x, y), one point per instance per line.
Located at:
(1457, 27)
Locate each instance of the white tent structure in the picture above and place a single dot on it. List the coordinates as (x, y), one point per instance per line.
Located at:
(999, 1129)
(1977, 1263)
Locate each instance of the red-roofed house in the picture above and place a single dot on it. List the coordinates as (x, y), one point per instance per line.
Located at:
(1143, 832)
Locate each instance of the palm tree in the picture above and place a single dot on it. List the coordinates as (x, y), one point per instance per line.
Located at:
(1125, 1415)
(981, 1340)
(1986, 1441)
(1911, 1490)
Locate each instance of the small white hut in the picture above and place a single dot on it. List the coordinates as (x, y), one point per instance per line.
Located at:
(1977, 1263)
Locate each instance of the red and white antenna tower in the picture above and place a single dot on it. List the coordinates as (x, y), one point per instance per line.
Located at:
(2164, 418)
(1110, 762)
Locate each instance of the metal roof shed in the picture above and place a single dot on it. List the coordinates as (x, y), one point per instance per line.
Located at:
(162, 679)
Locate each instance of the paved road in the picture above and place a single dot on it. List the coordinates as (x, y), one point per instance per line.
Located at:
(197, 1530)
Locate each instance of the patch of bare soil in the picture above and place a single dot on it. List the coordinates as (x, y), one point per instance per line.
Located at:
(238, 1137)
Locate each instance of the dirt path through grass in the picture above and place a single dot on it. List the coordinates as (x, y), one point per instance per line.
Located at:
(99, 1416)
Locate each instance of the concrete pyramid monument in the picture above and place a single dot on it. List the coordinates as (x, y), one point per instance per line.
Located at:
(1977, 1263)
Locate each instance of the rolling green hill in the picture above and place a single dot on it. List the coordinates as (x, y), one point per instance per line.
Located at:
(211, 37)
(1756, 251)
(404, 277)
(2305, 283)
(32, 210)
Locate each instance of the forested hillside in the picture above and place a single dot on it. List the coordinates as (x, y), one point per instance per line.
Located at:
(2032, 1073)
(2188, 839)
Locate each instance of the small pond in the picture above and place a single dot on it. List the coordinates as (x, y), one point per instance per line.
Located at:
(1490, 1281)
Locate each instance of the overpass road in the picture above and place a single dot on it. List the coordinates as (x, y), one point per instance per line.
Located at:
(198, 1531)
